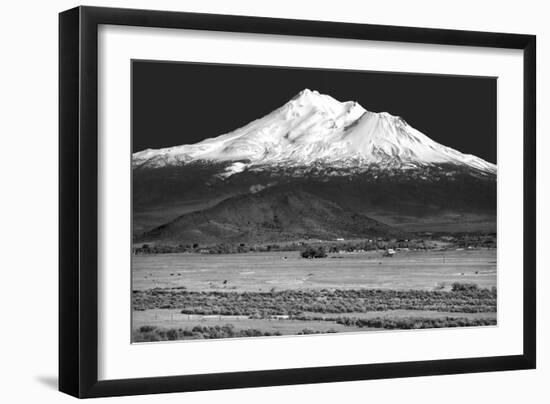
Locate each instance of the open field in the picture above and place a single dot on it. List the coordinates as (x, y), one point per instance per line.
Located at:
(287, 270)
(173, 318)
(198, 296)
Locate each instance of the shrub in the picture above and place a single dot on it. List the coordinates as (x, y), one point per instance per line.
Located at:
(464, 287)
(197, 332)
(408, 323)
(172, 334)
(295, 302)
(311, 252)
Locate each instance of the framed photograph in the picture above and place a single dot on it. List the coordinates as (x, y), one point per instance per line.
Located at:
(252, 202)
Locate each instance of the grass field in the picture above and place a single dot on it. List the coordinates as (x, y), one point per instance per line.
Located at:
(264, 271)
(280, 293)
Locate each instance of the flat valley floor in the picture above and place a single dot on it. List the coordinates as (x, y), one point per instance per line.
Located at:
(198, 296)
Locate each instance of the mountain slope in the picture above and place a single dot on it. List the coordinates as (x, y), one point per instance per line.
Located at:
(272, 215)
(316, 128)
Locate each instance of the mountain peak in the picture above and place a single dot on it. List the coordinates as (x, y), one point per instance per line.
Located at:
(305, 93)
(307, 99)
(308, 95)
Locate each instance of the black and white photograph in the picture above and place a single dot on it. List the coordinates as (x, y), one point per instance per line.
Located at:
(279, 202)
(271, 201)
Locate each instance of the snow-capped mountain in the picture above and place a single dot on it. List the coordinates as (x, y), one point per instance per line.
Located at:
(366, 163)
(313, 129)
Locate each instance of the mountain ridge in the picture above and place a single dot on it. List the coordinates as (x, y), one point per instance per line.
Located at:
(314, 128)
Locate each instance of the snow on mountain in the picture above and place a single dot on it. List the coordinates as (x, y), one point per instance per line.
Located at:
(313, 128)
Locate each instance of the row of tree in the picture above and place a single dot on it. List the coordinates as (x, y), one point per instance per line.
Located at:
(425, 242)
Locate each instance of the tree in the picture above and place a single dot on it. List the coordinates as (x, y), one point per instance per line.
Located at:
(311, 252)
(464, 287)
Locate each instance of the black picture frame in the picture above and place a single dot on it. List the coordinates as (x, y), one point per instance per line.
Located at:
(78, 206)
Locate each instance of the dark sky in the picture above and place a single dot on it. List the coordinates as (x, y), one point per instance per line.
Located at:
(183, 103)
